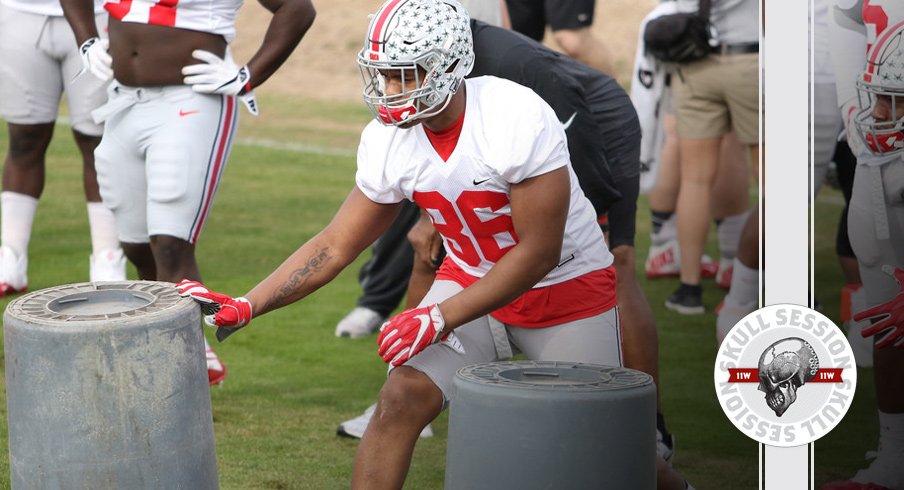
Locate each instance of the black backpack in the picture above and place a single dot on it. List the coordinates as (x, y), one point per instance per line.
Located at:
(681, 37)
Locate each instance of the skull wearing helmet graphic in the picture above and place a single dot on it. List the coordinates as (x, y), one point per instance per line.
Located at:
(784, 367)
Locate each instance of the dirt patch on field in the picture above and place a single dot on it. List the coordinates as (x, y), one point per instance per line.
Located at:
(323, 66)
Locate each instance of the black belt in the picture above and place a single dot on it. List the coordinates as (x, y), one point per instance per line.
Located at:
(741, 48)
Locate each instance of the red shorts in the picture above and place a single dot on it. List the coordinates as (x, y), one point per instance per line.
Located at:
(574, 299)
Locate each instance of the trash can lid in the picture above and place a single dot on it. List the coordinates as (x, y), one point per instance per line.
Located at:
(95, 301)
(554, 376)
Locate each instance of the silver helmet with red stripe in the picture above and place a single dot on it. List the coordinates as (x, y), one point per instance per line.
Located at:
(425, 43)
(880, 90)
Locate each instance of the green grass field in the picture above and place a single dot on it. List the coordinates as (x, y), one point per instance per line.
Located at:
(291, 381)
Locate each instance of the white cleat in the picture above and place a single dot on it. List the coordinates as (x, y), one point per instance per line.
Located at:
(108, 265)
(360, 322)
(13, 272)
(665, 261)
(665, 447)
(355, 427)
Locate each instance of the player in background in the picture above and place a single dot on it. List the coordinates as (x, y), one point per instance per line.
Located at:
(39, 62)
(570, 22)
(867, 44)
(487, 160)
(712, 97)
(494, 12)
(171, 116)
(827, 125)
(660, 175)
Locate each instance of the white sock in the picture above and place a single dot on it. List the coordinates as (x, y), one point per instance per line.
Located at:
(729, 232)
(103, 228)
(745, 285)
(17, 213)
(891, 432)
(667, 233)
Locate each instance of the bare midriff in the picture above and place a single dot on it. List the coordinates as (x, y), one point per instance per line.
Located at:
(146, 55)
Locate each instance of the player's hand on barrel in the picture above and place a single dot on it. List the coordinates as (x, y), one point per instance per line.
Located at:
(410, 332)
(226, 313)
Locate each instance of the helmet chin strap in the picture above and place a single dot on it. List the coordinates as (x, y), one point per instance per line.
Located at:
(438, 108)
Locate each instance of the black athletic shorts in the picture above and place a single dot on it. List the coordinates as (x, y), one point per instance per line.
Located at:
(530, 17)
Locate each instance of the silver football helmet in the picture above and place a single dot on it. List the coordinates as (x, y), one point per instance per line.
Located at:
(425, 42)
(882, 82)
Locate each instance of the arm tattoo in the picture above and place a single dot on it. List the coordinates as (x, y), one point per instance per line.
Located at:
(298, 278)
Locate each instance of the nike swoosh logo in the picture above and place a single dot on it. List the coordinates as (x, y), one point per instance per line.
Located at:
(567, 124)
(425, 321)
(569, 259)
(478, 182)
(188, 113)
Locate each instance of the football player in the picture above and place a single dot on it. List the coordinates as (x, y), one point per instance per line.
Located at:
(603, 143)
(569, 21)
(827, 124)
(867, 44)
(171, 117)
(487, 160)
(603, 133)
(39, 61)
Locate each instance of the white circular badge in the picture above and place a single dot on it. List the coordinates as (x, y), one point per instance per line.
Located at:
(785, 375)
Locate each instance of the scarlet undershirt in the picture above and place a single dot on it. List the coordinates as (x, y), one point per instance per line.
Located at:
(444, 141)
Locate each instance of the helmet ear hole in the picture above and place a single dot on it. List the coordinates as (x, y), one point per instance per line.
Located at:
(452, 67)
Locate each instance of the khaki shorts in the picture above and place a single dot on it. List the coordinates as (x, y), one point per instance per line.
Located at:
(595, 340)
(717, 94)
(39, 60)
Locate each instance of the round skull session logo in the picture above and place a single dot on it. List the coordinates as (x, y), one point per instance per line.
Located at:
(785, 375)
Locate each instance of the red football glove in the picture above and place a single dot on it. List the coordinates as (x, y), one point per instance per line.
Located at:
(893, 310)
(224, 312)
(410, 332)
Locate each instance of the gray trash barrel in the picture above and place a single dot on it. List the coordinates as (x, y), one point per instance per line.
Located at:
(551, 425)
(106, 387)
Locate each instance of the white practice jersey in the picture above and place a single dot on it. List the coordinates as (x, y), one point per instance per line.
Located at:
(213, 16)
(45, 7)
(509, 134)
